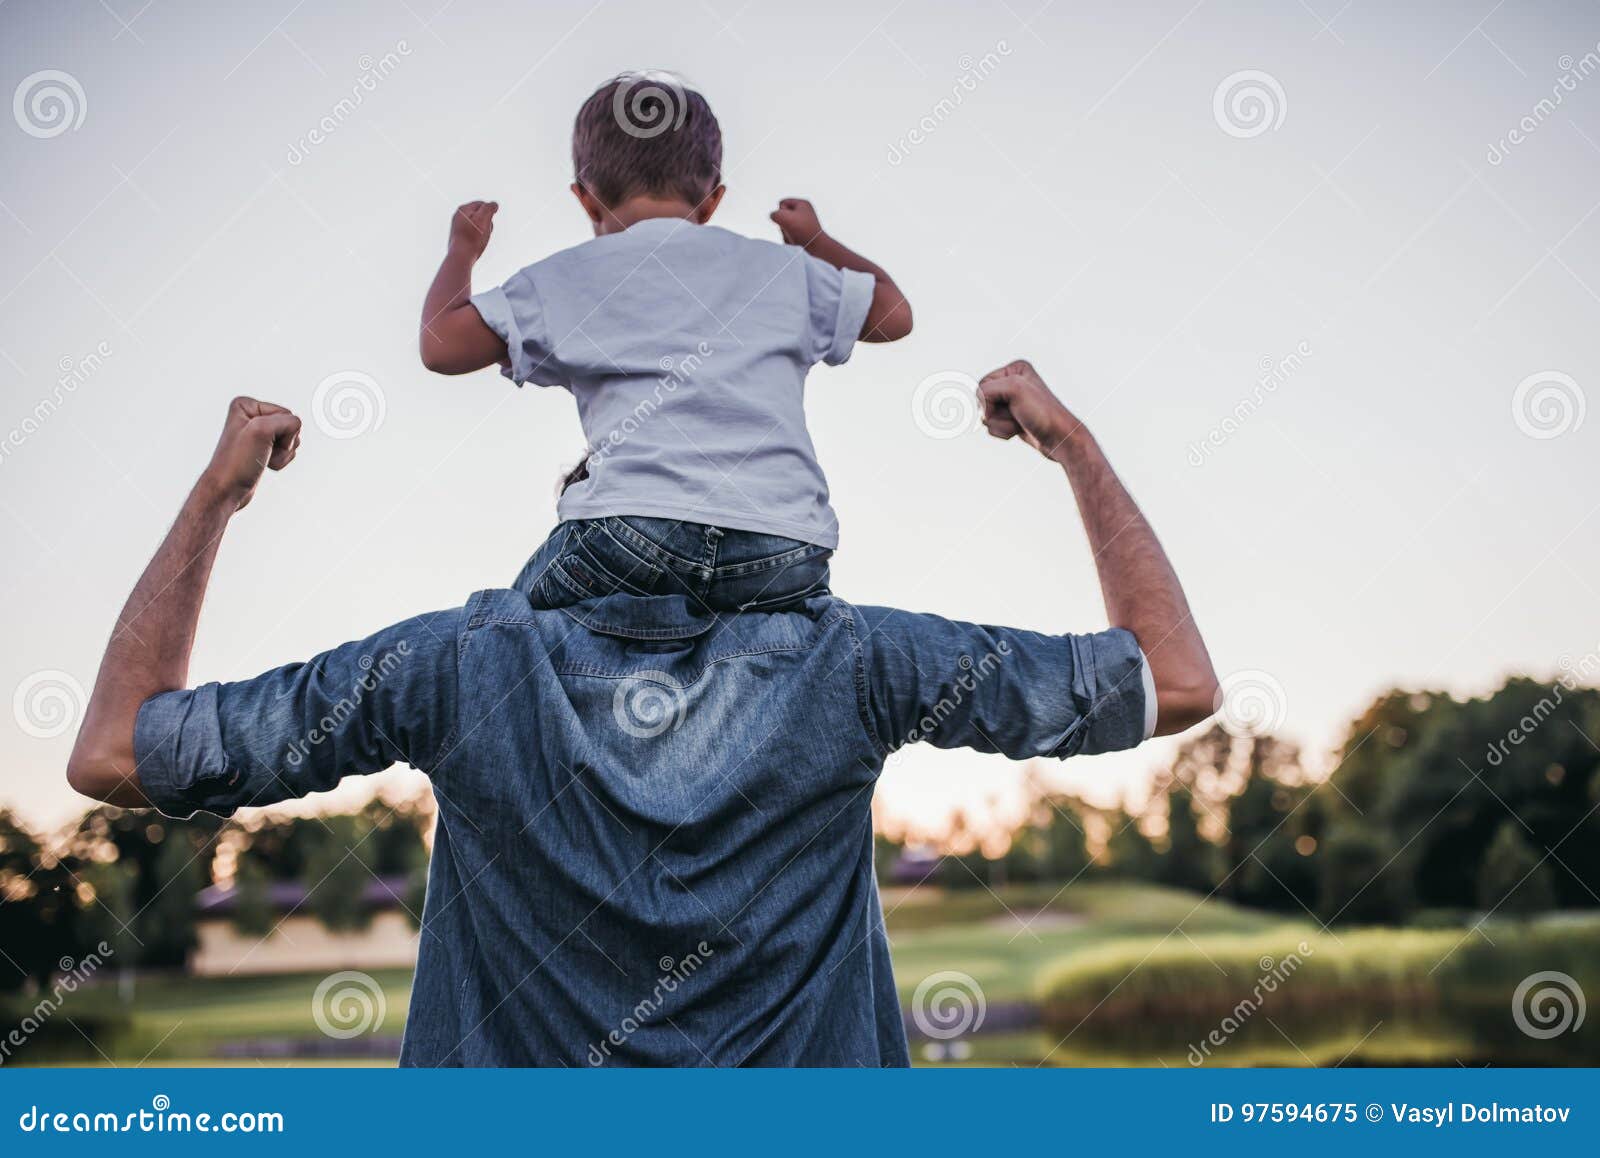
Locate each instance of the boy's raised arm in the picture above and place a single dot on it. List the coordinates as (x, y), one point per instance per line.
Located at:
(889, 318)
(454, 338)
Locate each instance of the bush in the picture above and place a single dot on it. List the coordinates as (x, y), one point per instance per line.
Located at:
(1436, 994)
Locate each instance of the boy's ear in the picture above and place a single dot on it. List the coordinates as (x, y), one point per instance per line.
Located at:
(709, 205)
(591, 204)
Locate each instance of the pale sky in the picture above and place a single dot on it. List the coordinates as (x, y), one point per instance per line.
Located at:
(1088, 197)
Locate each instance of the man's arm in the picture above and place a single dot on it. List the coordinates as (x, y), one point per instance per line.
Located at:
(1140, 588)
(454, 338)
(889, 317)
(149, 650)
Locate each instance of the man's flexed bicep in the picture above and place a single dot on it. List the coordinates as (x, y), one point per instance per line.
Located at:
(299, 729)
(1000, 689)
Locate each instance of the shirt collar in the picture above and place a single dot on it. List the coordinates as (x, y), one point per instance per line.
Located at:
(642, 617)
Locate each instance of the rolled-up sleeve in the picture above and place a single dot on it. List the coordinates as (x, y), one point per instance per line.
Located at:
(514, 312)
(840, 300)
(302, 728)
(1000, 689)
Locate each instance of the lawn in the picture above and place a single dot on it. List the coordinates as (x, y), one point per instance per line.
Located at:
(1002, 940)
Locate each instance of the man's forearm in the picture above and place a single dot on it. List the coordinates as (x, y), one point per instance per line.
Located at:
(149, 650)
(1141, 590)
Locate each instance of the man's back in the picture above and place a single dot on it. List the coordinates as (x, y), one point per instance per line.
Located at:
(655, 840)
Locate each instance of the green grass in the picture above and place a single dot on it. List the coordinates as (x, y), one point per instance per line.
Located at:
(1124, 974)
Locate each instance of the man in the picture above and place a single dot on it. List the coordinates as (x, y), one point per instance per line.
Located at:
(655, 840)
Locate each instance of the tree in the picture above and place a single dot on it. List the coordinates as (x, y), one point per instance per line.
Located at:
(1514, 879)
(1189, 860)
(337, 874)
(38, 907)
(1131, 854)
(253, 913)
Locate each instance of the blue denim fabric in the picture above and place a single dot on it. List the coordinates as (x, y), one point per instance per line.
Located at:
(715, 568)
(654, 841)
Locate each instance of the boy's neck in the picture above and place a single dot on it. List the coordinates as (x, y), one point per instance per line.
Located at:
(642, 208)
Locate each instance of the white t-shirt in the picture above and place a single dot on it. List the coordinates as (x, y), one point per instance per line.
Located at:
(687, 347)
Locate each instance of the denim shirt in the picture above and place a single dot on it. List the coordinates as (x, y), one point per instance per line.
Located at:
(654, 840)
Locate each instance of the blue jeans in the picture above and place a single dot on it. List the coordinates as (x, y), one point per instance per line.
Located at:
(717, 569)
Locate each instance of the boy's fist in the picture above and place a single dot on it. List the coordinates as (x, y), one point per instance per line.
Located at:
(797, 221)
(471, 226)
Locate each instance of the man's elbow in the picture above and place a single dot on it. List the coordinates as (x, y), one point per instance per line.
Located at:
(87, 776)
(1180, 708)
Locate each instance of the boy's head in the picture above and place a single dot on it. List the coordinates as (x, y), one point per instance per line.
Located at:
(646, 141)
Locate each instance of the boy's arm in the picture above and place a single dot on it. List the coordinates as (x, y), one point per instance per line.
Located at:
(889, 318)
(454, 338)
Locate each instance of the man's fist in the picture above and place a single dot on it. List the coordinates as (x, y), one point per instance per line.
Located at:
(257, 436)
(797, 221)
(1017, 402)
(471, 226)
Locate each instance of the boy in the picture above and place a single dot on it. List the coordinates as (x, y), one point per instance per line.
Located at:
(686, 347)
